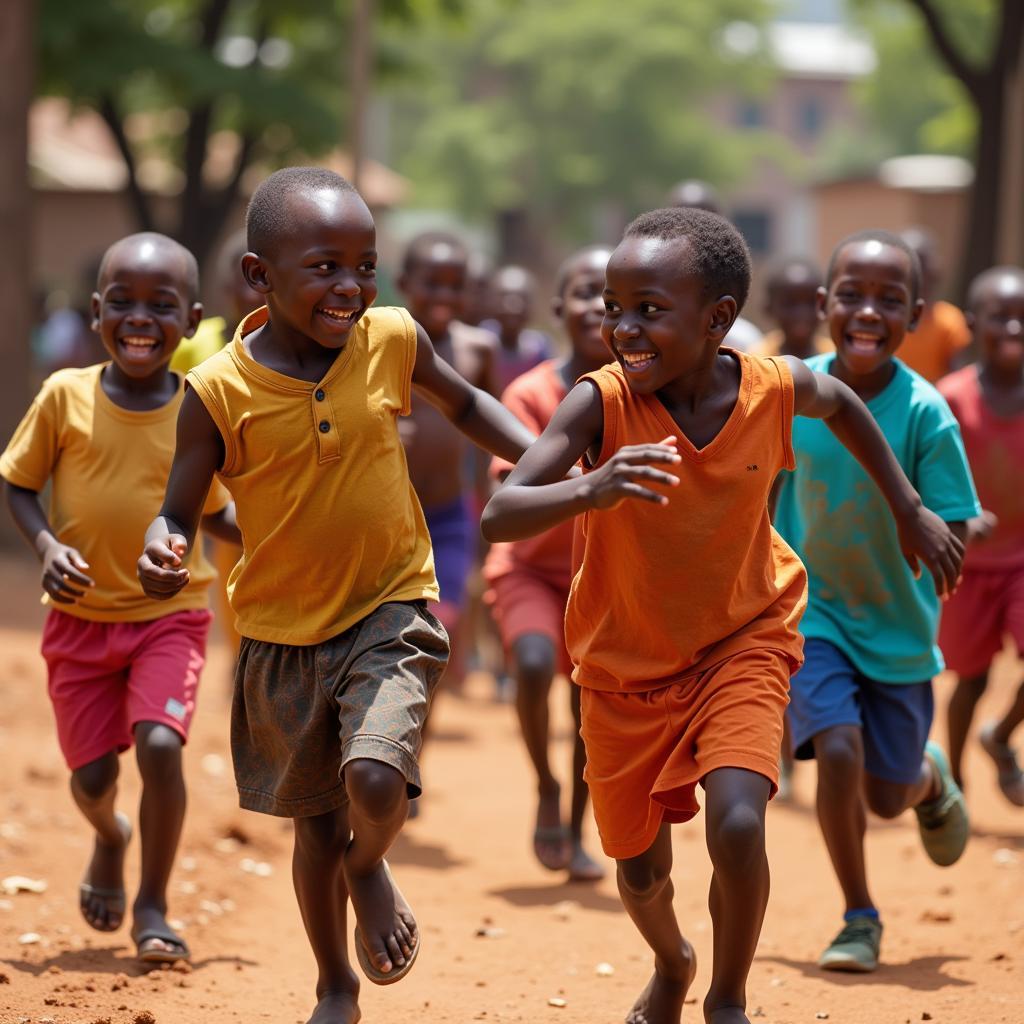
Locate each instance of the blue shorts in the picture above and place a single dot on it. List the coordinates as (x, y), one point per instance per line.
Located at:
(453, 535)
(895, 718)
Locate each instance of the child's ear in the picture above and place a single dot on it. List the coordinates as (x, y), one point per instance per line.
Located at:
(558, 306)
(723, 316)
(915, 315)
(822, 300)
(195, 314)
(254, 270)
(94, 308)
(970, 319)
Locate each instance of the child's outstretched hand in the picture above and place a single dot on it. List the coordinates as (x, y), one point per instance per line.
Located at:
(160, 570)
(981, 527)
(927, 538)
(64, 573)
(618, 478)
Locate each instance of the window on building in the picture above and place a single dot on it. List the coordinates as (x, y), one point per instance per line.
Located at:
(756, 227)
(810, 118)
(749, 114)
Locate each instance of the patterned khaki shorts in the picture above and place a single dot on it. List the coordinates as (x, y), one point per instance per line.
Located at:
(300, 714)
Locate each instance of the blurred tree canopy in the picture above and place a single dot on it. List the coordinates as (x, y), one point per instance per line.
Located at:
(579, 111)
(271, 72)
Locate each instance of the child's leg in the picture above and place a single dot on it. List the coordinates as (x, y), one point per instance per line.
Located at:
(736, 803)
(645, 885)
(995, 738)
(102, 898)
(322, 894)
(1004, 727)
(959, 716)
(378, 806)
(582, 867)
(161, 814)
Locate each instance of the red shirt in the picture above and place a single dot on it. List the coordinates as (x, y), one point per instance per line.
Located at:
(995, 451)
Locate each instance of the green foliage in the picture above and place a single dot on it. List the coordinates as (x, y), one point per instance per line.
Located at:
(559, 106)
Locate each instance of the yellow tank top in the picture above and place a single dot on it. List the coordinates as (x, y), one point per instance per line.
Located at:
(331, 527)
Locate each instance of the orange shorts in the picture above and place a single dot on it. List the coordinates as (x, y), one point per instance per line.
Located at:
(524, 602)
(647, 750)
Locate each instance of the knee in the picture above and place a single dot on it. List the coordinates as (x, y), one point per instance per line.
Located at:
(535, 662)
(94, 780)
(840, 755)
(641, 878)
(736, 839)
(376, 791)
(158, 751)
(886, 799)
(323, 837)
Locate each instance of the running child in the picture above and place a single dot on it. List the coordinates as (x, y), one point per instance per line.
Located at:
(791, 290)
(682, 619)
(520, 347)
(434, 282)
(862, 703)
(529, 579)
(298, 416)
(988, 402)
(122, 668)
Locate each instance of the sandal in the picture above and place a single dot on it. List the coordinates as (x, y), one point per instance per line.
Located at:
(155, 955)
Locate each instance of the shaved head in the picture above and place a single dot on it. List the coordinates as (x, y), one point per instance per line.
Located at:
(152, 250)
(997, 282)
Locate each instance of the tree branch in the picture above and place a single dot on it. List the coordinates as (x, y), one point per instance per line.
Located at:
(139, 200)
(954, 59)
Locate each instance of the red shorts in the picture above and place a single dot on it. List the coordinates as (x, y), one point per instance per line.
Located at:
(524, 603)
(106, 677)
(988, 605)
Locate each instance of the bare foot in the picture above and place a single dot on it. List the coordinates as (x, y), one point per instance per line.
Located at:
(157, 941)
(101, 894)
(661, 1002)
(551, 844)
(726, 1015)
(582, 867)
(386, 923)
(336, 1008)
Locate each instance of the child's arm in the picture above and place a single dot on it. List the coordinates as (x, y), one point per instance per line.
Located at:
(198, 453)
(924, 536)
(535, 496)
(63, 567)
(480, 416)
(223, 525)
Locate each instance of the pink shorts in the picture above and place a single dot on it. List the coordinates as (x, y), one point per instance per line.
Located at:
(525, 602)
(106, 677)
(988, 605)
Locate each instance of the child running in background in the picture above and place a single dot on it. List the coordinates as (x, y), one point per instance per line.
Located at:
(122, 668)
(791, 291)
(862, 703)
(530, 579)
(434, 282)
(682, 617)
(988, 402)
(520, 347)
(298, 416)
(939, 341)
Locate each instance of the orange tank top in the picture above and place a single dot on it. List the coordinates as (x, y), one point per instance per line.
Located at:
(664, 592)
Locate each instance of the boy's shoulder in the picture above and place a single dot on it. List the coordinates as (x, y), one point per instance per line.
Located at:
(921, 395)
(960, 385)
(77, 382)
(542, 378)
(465, 336)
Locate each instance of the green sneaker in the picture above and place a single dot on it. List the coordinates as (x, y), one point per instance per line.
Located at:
(943, 822)
(855, 948)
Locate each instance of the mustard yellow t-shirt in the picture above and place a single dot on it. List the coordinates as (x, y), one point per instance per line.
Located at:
(331, 526)
(207, 341)
(109, 469)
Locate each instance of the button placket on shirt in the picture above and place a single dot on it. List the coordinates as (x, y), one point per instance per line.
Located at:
(325, 426)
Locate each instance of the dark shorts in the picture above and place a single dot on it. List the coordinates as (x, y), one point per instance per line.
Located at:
(300, 714)
(453, 535)
(895, 718)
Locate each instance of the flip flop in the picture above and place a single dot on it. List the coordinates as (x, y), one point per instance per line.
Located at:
(396, 973)
(553, 834)
(1010, 776)
(113, 898)
(160, 956)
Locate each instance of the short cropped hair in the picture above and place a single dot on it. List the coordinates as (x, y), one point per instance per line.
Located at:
(571, 262)
(169, 246)
(977, 288)
(889, 238)
(718, 253)
(267, 219)
(779, 269)
(421, 247)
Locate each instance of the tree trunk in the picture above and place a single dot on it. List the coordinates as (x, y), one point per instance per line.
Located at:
(1011, 218)
(17, 46)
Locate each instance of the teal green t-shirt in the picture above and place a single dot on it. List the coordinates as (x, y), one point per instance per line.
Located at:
(862, 596)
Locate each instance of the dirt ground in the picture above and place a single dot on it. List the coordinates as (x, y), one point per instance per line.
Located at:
(501, 937)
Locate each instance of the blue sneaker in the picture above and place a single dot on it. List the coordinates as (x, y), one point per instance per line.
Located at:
(943, 822)
(855, 949)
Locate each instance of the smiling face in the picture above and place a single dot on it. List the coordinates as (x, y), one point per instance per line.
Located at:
(580, 307)
(658, 322)
(320, 276)
(869, 305)
(436, 287)
(144, 304)
(997, 316)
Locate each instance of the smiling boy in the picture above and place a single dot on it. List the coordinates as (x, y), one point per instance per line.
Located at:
(339, 657)
(862, 704)
(682, 618)
(122, 668)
